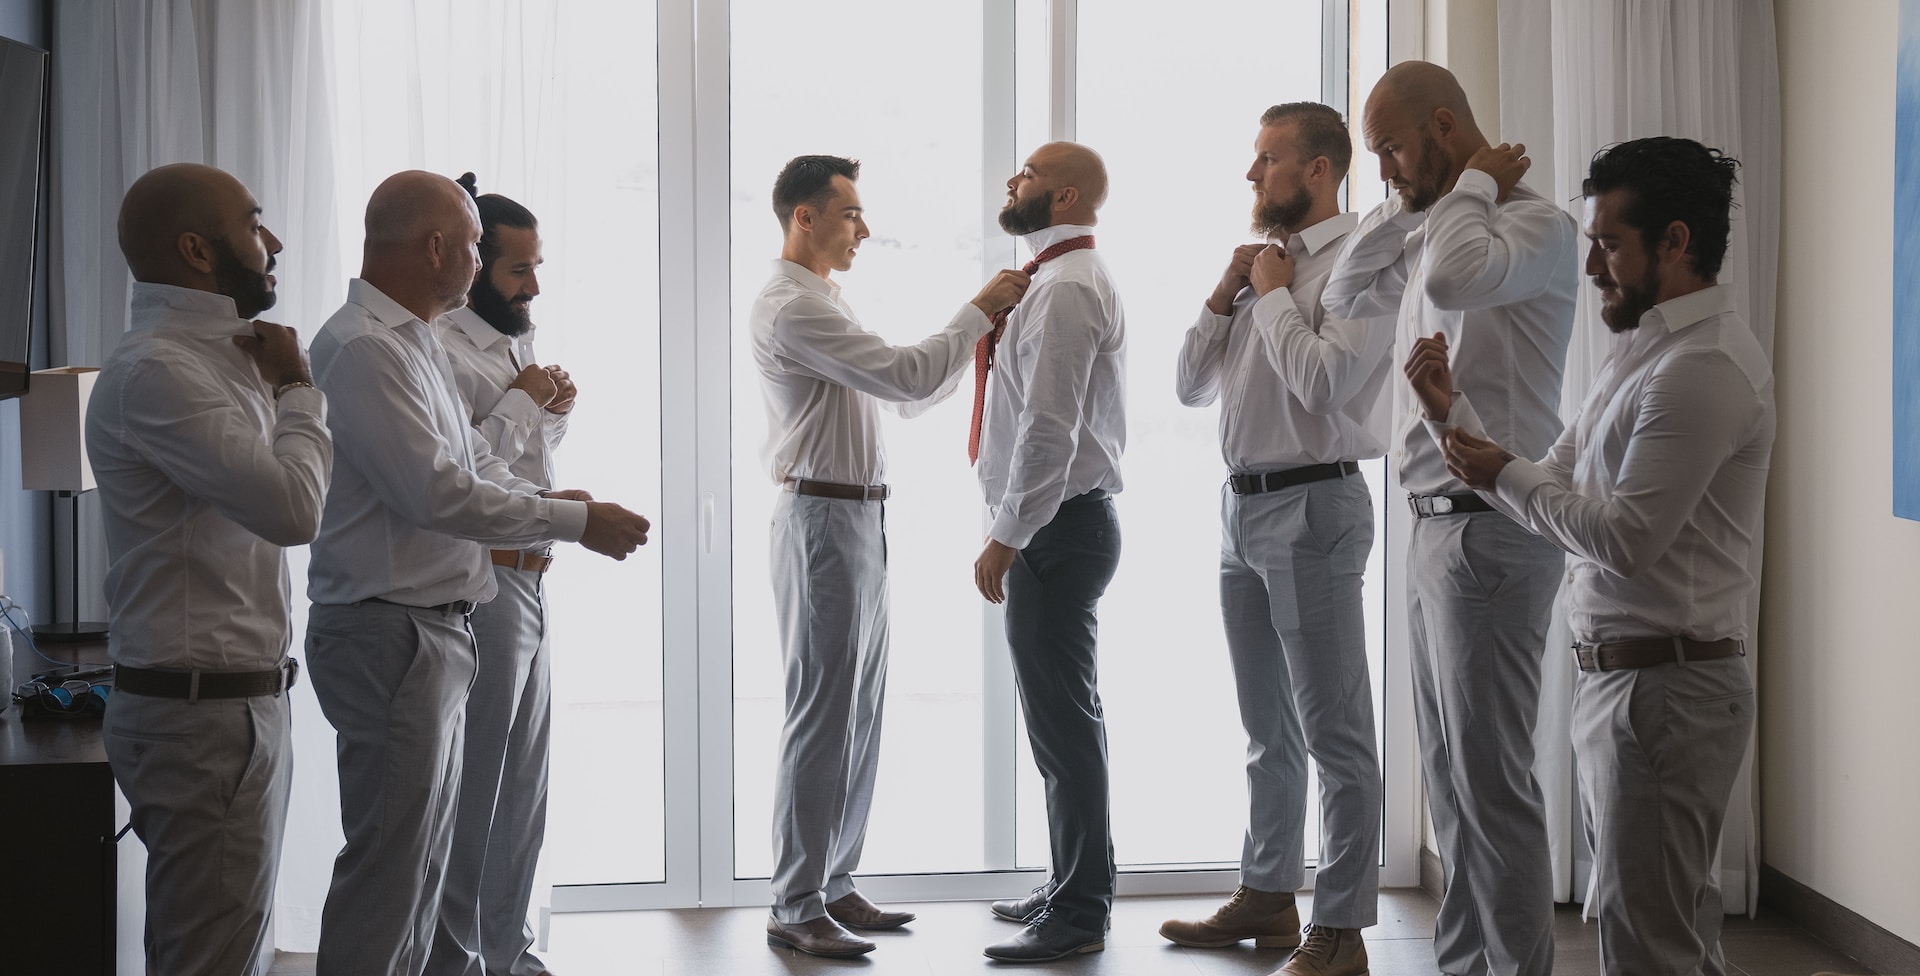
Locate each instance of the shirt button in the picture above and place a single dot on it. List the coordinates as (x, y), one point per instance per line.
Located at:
(1569, 577)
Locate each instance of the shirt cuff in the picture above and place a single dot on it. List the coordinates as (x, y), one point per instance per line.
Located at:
(1210, 325)
(302, 399)
(1271, 310)
(976, 320)
(568, 518)
(1517, 483)
(518, 406)
(1010, 531)
(1479, 183)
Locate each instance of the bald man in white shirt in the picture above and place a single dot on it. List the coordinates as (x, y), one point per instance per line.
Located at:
(824, 377)
(1656, 490)
(210, 445)
(1300, 396)
(415, 502)
(1467, 250)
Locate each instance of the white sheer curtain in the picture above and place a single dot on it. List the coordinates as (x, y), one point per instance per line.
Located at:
(1579, 75)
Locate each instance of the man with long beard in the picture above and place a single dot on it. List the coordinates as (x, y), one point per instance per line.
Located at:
(1656, 490)
(1466, 250)
(1299, 394)
(1050, 410)
(520, 407)
(210, 444)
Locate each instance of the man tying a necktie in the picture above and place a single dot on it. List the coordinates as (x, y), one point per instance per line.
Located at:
(1049, 426)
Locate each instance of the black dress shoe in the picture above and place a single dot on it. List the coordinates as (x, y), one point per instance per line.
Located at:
(1045, 939)
(817, 937)
(1023, 910)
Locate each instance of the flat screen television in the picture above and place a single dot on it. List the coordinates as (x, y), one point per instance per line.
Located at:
(23, 121)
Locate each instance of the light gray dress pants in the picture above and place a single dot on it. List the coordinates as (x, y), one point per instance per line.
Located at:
(502, 817)
(1480, 590)
(1658, 749)
(393, 682)
(1291, 566)
(207, 782)
(829, 567)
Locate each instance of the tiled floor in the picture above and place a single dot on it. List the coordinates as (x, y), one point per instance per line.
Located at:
(948, 937)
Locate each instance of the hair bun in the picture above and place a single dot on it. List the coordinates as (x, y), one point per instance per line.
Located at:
(469, 183)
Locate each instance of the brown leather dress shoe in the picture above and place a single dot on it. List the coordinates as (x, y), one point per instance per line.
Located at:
(1269, 918)
(816, 937)
(856, 912)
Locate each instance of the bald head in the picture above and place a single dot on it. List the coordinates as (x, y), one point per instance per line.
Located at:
(198, 227)
(1070, 164)
(1061, 183)
(1420, 127)
(1418, 89)
(422, 234)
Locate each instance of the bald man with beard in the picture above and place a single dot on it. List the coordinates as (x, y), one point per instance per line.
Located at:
(1050, 408)
(210, 445)
(1466, 252)
(417, 500)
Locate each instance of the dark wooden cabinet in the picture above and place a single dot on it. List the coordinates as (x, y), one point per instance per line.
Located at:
(70, 897)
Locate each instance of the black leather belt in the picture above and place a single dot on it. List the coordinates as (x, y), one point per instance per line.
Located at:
(195, 685)
(461, 607)
(833, 489)
(1648, 651)
(1451, 503)
(1254, 484)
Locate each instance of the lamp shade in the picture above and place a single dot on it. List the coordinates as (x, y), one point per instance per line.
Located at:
(53, 430)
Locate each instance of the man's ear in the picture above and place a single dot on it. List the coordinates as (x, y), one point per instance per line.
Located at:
(437, 248)
(1320, 169)
(1065, 198)
(1674, 242)
(803, 217)
(196, 251)
(1444, 124)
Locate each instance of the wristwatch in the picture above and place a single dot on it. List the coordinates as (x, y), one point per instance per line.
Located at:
(284, 387)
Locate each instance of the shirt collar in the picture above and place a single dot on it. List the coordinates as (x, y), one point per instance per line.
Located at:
(1047, 237)
(805, 276)
(389, 312)
(1691, 308)
(1312, 239)
(152, 297)
(477, 330)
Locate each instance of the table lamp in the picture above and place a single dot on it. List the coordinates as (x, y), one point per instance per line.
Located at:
(53, 457)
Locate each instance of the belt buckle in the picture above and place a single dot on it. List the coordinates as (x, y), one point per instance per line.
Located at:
(1586, 657)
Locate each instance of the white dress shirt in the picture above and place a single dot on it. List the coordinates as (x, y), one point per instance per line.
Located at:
(1056, 414)
(1659, 485)
(485, 363)
(203, 478)
(1296, 386)
(416, 496)
(821, 373)
(1499, 280)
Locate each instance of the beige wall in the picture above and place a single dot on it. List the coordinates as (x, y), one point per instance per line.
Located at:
(1840, 622)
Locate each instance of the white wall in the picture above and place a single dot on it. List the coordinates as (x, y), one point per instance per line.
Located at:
(1839, 623)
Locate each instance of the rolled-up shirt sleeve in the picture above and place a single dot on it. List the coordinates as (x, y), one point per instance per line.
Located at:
(212, 447)
(1061, 352)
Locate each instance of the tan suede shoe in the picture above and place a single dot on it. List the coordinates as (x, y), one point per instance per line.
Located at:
(1269, 918)
(1327, 952)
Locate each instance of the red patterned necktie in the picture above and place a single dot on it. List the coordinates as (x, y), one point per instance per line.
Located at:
(983, 352)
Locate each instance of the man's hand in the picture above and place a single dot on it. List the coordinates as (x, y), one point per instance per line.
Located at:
(1234, 279)
(564, 391)
(568, 494)
(1431, 377)
(1002, 292)
(1474, 461)
(536, 383)
(276, 353)
(612, 530)
(1505, 163)
(1272, 269)
(990, 570)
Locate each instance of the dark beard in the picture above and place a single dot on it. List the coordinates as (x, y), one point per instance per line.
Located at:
(1282, 218)
(1635, 301)
(1431, 176)
(1021, 219)
(250, 290)
(497, 309)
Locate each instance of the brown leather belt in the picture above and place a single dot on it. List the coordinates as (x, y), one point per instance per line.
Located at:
(1649, 651)
(1254, 484)
(532, 562)
(195, 685)
(830, 489)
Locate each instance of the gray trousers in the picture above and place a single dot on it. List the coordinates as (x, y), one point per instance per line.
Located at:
(1658, 749)
(1479, 593)
(393, 682)
(1291, 566)
(1053, 595)
(829, 567)
(207, 782)
(502, 817)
